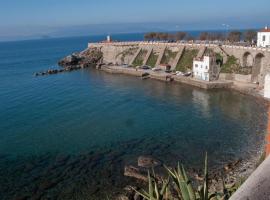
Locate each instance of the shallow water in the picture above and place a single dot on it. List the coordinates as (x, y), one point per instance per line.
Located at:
(70, 135)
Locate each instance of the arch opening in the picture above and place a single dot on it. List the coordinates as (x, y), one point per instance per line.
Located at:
(247, 60)
(256, 69)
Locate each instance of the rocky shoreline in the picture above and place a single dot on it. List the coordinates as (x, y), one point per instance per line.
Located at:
(233, 173)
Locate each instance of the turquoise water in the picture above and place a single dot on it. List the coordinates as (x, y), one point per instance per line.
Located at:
(71, 134)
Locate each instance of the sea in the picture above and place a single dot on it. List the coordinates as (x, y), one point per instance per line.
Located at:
(70, 135)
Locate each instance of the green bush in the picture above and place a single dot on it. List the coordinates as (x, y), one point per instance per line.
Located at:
(152, 60)
(168, 55)
(139, 59)
(186, 61)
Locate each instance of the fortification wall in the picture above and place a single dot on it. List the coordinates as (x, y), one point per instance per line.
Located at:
(124, 52)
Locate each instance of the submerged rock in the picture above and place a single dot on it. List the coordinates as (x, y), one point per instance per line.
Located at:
(135, 172)
(148, 162)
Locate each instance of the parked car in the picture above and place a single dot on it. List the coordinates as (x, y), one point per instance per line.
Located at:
(178, 73)
(187, 74)
(155, 69)
(125, 65)
(145, 67)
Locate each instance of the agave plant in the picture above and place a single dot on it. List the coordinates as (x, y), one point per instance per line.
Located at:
(155, 192)
(182, 182)
(183, 186)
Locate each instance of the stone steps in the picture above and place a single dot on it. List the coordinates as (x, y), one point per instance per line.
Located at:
(177, 57)
(149, 51)
(160, 56)
(201, 53)
(135, 56)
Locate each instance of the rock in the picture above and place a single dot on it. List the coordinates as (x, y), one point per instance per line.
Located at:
(198, 177)
(70, 60)
(231, 166)
(148, 162)
(122, 197)
(137, 197)
(135, 172)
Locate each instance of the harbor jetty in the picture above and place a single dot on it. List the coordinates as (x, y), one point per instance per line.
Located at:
(241, 68)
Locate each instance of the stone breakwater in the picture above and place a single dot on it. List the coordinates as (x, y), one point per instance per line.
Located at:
(87, 58)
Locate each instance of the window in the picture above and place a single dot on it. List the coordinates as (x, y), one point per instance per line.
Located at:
(263, 38)
(196, 65)
(206, 76)
(206, 67)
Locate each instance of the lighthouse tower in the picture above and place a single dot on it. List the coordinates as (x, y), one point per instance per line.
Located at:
(109, 38)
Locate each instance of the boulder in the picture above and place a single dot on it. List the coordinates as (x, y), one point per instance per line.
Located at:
(73, 59)
(148, 162)
(122, 197)
(135, 172)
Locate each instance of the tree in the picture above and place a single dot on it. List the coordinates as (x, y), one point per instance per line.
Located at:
(250, 36)
(234, 36)
(147, 36)
(204, 36)
(164, 36)
(171, 37)
(180, 35)
(190, 37)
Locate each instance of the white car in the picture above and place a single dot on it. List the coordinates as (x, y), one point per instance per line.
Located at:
(155, 69)
(178, 73)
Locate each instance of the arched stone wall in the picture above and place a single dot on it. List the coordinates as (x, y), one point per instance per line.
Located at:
(257, 67)
(247, 60)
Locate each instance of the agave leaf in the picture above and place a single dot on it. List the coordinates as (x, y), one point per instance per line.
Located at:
(170, 171)
(156, 191)
(205, 187)
(165, 186)
(143, 194)
(182, 184)
(150, 186)
(189, 186)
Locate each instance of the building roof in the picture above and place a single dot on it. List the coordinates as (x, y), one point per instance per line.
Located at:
(266, 29)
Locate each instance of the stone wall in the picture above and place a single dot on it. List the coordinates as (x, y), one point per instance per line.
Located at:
(235, 77)
(260, 57)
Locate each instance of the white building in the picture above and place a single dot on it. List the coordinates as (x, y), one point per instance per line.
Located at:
(263, 37)
(267, 86)
(206, 69)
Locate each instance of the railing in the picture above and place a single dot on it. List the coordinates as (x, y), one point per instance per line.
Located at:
(158, 43)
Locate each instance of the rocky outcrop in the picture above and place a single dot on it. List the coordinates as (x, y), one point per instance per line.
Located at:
(85, 58)
(76, 61)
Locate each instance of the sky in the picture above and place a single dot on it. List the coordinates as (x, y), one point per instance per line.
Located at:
(36, 18)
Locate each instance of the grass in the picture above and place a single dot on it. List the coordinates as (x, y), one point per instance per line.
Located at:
(139, 59)
(152, 60)
(168, 55)
(186, 60)
(128, 52)
(231, 66)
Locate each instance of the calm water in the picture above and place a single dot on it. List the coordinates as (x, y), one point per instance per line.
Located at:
(70, 135)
